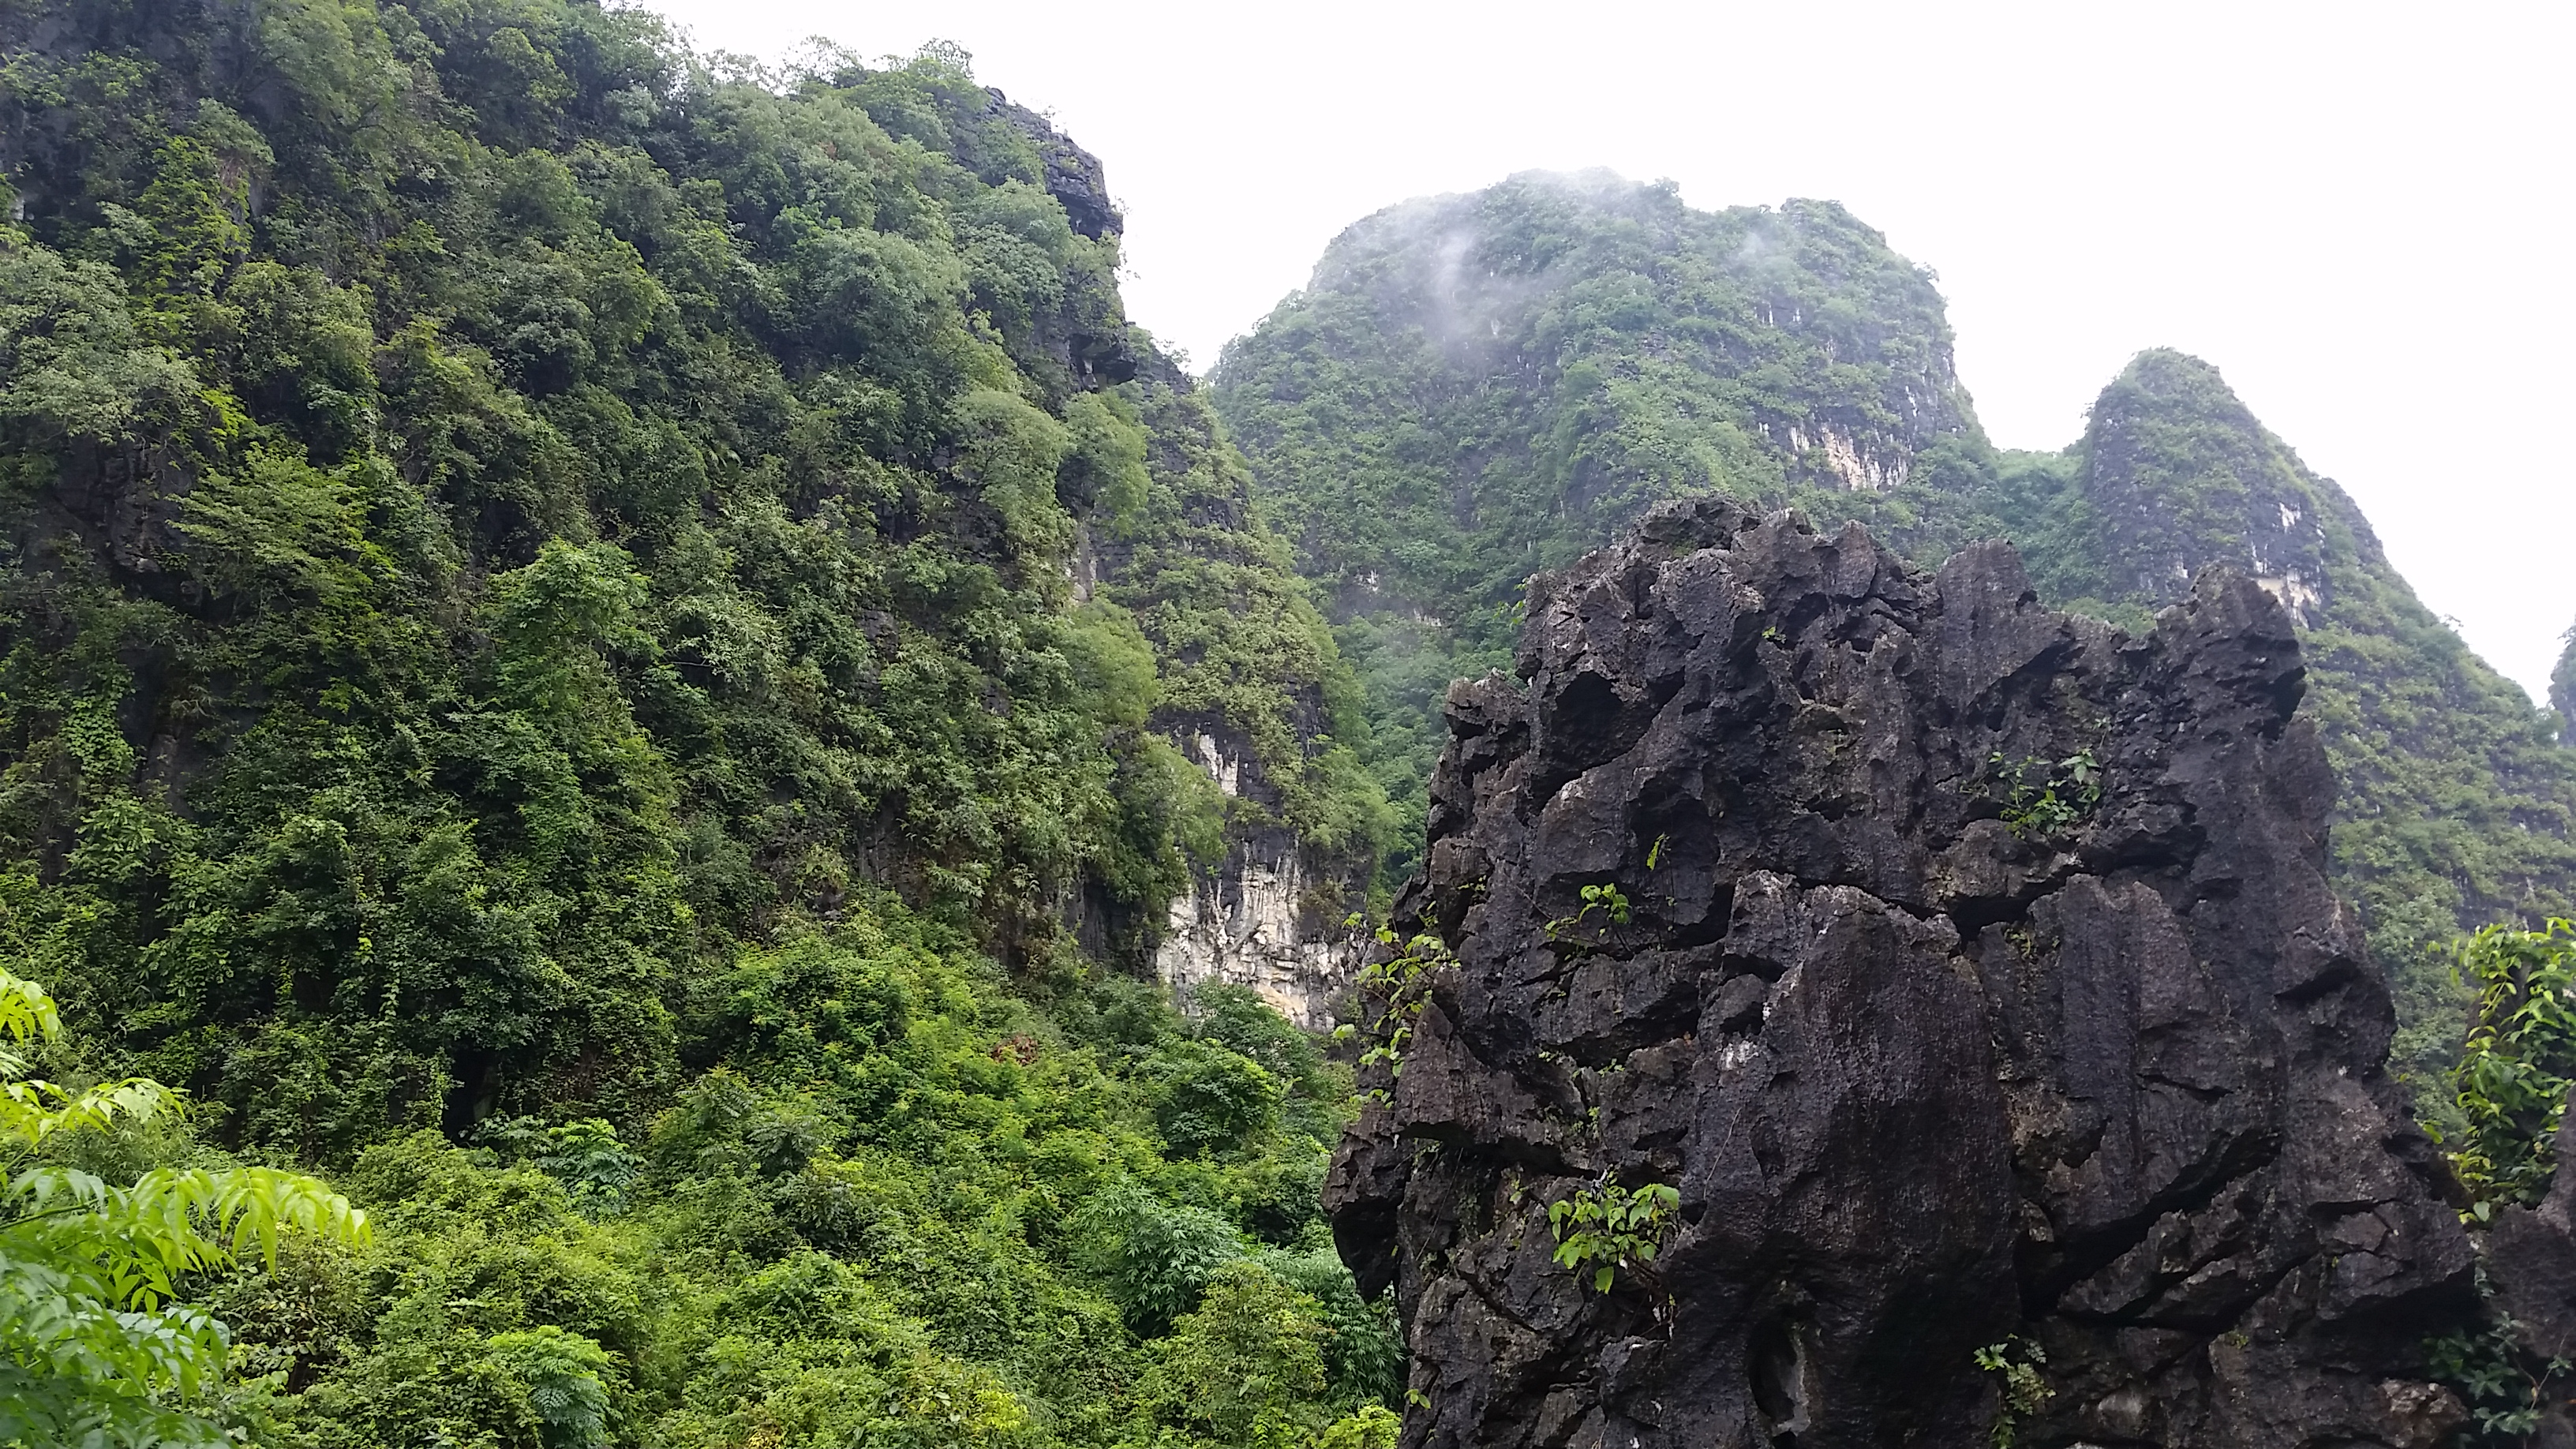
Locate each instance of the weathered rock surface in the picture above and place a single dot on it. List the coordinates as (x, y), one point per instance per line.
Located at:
(2106, 1077)
(2531, 1261)
(2534, 1252)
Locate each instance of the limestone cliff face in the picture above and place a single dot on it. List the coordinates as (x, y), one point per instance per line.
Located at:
(2182, 476)
(1980, 982)
(1262, 918)
(2454, 801)
(1245, 672)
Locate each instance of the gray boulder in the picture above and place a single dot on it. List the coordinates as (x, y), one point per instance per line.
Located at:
(1979, 985)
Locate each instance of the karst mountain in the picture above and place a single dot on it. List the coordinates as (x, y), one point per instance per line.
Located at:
(622, 674)
(1473, 388)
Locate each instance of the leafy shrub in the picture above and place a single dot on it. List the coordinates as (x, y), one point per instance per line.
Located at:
(2019, 1385)
(1211, 1099)
(94, 1345)
(2506, 1388)
(2509, 1098)
(586, 1157)
(1374, 1426)
(559, 1372)
(1281, 1200)
(1236, 1018)
(2515, 1072)
(1251, 1351)
(2040, 799)
(1364, 1357)
(1605, 1227)
(1155, 1259)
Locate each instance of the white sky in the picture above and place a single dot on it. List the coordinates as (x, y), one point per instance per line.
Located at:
(2357, 211)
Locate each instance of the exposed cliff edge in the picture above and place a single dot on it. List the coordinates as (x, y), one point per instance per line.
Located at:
(1972, 975)
(1474, 388)
(1265, 916)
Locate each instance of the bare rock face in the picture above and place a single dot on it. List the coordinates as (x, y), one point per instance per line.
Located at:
(2531, 1260)
(1250, 923)
(1979, 985)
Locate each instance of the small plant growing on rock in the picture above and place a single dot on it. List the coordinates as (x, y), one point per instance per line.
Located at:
(1605, 1228)
(2505, 1389)
(1393, 992)
(2041, 799)
(2017, 1364)
(1609, 900)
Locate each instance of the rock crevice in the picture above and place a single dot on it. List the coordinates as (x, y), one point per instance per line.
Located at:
(1968, 969)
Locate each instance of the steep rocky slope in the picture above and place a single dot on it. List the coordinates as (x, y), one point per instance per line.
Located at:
(1967, 971)
(2457, 806)
(630, 659)
(1475, 387)
(500, 514)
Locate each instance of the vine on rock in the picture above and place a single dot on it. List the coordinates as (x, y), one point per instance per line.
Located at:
(1394, 991)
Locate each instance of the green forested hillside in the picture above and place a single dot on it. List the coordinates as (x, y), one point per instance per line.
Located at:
(598, 646)
(1475, 387)
(589, 644)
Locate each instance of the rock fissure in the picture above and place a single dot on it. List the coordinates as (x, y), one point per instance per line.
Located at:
(1932, 1061)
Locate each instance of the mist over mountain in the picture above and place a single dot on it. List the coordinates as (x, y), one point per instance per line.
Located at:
(1476, 388)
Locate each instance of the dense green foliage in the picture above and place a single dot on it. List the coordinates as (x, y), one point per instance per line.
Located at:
(558, 596)
(2562, 690)
(500, 512)
(911, 1208)
(1473, 388)
(2509, 1098)
(2519, 1062)
(94, 1349)
(600, 646)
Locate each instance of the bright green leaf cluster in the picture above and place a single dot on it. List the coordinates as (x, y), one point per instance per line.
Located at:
(1604, 1228)
(2022, 1389)
(2519, 1063)
(2039, 799)
(94, 1346)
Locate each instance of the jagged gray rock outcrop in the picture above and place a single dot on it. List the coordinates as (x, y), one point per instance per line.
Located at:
(1980, 981)
(2531, 1261)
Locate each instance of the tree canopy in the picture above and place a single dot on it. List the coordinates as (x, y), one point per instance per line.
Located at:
(592, 642)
